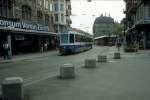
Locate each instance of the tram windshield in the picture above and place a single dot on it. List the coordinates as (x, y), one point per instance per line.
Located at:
(64, 38)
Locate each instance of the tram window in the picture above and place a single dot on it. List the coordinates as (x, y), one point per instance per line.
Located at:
(71, 38)
(77, 38)
(64, 38)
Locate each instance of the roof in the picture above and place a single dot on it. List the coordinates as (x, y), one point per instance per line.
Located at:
(104, 36)
(104, 19)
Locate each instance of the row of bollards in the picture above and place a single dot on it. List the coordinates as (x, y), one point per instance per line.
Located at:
(12, 88)
(68, 70)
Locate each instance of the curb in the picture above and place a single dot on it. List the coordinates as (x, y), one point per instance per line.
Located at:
(7, 61)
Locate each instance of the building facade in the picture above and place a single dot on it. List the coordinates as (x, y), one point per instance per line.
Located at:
(137, 23)
(61, 15)
(103, 26)
(26, 25)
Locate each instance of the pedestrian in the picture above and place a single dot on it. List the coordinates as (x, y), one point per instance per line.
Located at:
(6, 50)
(118, 43)
(45, 46)
(41, 49)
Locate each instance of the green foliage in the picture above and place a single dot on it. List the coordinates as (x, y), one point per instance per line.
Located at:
(117, 29)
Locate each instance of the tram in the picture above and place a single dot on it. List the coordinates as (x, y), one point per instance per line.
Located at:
(74, 41)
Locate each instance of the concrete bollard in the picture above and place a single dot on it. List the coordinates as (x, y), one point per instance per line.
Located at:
(117, 55)
(12, 89)
(67, 71)
(102, 58)
(90, 63)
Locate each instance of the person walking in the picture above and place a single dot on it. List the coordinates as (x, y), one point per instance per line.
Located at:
(6, 51)
(45, 46)
(118, 43)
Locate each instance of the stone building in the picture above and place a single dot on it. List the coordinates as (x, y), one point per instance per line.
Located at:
(26, 25)
(103, 26)
(61, 14)
(137, 22)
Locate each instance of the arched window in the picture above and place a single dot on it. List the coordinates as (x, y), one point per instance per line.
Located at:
(26, 12)
(6, 8)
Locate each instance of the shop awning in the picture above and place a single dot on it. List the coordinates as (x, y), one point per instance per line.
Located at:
(24, 31)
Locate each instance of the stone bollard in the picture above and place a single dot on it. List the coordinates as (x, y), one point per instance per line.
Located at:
(102, 58)
(117, 55)
(67, 71)
(90, 63)
(12, 89)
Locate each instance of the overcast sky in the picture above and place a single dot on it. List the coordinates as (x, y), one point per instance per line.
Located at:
(84, 13)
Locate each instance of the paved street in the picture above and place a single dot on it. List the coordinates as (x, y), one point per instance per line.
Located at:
(125, 79)
(44, 66)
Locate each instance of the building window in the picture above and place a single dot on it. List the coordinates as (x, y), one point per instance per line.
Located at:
(62, 18)
(56, 17)
(56, 7)
(46, 4)
(69, 6)
(6, 8)
(26, 12)
(47, 19)
(62, 7)
(40, 2)
(39, 16)
(50, 7)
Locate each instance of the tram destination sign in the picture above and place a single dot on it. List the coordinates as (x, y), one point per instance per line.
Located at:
(23, 25)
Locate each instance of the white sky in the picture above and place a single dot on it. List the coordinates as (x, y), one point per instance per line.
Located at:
(84, 13)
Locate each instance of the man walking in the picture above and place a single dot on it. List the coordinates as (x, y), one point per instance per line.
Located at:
(118, 43)
(6, 51)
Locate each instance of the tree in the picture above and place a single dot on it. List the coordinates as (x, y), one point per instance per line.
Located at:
(117, 28)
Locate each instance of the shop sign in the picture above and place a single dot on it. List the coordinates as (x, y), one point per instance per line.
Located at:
(23, 25)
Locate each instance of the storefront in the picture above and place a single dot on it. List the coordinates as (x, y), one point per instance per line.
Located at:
(25, 37)
(140, 34)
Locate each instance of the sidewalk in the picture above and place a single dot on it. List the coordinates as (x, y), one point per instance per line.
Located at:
(124, 79)
(29, 56)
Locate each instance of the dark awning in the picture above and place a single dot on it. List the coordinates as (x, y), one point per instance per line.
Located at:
(23, 31)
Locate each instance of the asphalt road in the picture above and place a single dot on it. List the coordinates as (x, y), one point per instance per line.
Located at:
(34, 70)
(123, 79)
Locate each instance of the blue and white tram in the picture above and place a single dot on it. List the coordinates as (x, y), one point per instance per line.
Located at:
(74, 41)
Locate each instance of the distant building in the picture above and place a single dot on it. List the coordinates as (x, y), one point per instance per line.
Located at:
(137, 22)
(103, 26)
